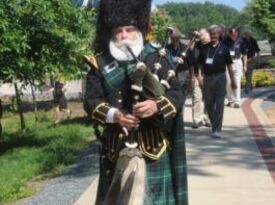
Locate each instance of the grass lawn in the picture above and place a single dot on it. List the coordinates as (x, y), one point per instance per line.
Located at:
(42, 151)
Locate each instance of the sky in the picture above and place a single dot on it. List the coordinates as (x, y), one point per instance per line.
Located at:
(238, 4)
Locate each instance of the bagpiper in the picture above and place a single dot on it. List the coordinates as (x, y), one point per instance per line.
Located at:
(132, 95)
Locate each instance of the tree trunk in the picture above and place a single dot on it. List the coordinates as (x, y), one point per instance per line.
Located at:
(1, 115)
(19, 107)
(34, 100)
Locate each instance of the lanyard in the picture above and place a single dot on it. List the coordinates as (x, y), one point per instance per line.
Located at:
(215, 52)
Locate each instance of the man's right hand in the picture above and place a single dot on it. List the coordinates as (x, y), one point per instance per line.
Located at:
(193, 83)
(126, 120)
(200, 79)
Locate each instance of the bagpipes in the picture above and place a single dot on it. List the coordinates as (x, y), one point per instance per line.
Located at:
(186, 79)
(180, 60)
(128, 182)
(194, 37)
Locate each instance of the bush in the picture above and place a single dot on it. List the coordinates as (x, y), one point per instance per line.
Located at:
(261, 79)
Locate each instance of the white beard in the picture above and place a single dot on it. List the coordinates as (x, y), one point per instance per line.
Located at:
(119, 51)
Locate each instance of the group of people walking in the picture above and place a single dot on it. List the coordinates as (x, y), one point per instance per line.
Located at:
(219, 61)
(136, 92)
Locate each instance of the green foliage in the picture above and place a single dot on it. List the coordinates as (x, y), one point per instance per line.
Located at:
(261, 79)
(43, 149)
(192, 16)
(160, 22)
(245, 21)
(264, 15)
(42, 37)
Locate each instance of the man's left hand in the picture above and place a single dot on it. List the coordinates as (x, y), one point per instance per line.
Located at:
(145, 109)
(233, 85)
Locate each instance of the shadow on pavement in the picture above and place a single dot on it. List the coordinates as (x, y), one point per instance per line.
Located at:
(237, 148)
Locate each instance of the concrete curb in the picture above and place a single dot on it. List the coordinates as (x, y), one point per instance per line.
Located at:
(89, 195)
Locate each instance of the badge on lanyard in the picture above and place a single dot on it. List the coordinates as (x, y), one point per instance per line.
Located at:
(232, 53)
(209, 61)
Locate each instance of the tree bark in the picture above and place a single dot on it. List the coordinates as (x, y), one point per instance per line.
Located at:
(34, 100)
(1, 115)
(19, 107)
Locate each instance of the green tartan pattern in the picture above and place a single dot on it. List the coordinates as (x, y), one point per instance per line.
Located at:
(169, 172)
(178, 162)
(114, 78)
(166, 178)
(159, 185)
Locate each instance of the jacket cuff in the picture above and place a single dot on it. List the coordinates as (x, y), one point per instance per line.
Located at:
(100, 113)
(166, 108)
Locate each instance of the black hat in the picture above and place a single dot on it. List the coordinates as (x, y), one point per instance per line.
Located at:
(114, 13)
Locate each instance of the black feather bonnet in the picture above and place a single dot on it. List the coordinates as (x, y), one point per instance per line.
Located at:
(114, 13)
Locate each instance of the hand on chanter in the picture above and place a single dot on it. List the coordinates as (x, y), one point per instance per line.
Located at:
(126, 120)
(145, 109)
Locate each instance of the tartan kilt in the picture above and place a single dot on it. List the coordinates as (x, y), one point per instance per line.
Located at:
(166, 178)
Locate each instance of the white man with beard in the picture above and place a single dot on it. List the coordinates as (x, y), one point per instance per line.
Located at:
(214, 58)
(238, 53)
(199, 114)
(147, 173)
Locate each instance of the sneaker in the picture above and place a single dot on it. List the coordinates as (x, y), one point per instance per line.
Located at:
(229, 104)
(216, 135)
(207, 124)
(197, 125)
(237, 106)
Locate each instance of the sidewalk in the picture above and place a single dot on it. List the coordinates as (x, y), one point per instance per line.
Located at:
(229, 171)
(238, 169)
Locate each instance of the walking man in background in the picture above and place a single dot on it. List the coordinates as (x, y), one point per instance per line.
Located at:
(199, 113)
(182, 61)
(213, 60)
(253, 51)
(238, 53)
(60, 101)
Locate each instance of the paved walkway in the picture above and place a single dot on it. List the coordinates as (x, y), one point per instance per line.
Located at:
(232, 171)
(238, 169)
